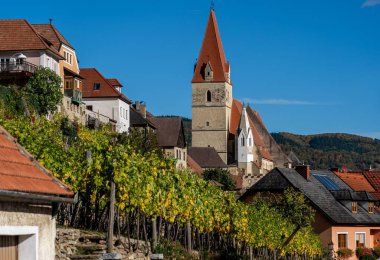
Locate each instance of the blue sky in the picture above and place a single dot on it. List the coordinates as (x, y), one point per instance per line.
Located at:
(306, 66)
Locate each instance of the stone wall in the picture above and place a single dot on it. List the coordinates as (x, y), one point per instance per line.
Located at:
(72, 244)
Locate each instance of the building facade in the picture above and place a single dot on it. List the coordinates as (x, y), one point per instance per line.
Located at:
(29, 195)
(102, 97)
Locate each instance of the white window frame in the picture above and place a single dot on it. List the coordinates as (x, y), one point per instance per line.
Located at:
(28, 240)
(341, 233)
(365, 236)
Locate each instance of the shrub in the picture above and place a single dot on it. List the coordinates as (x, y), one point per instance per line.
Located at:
(363, 251)
(172, 250)
(344, 253)
(376, 251)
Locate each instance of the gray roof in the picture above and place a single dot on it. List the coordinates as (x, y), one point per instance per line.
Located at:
(319, 196)
(170, 131)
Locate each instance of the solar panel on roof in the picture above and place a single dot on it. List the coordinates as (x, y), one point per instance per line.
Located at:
(327, 182)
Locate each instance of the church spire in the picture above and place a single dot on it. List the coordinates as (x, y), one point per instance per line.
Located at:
(212, 52)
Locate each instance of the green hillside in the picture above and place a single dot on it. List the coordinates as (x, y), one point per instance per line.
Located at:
(325, 151)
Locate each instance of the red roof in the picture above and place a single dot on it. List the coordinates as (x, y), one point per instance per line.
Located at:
(236, 111)
(20, 172)
(374, 179)
(49, 32)
(106, 89)
(212, 51)
(115, 82)
(19, 35)
(356, 181)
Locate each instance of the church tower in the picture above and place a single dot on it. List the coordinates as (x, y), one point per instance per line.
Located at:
(211, 93)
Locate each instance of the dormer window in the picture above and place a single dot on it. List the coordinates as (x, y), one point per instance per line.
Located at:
(208, 96)
(208, 73)
(96, 86)
(354, 207)
(371, 207)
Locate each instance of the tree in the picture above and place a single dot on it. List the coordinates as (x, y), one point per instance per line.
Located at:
(43, 91)
(220, 175)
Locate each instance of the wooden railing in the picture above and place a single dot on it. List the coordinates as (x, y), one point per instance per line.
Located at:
(11, 67)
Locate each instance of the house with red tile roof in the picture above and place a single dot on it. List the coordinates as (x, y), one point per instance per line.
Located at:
(237, 132)
(22, 50)
(29, 196)
(72, 105)
(104, 99)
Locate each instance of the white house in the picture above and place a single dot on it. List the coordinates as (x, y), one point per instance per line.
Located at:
(104, 99)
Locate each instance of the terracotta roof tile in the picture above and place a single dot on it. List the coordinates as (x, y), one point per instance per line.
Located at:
(115, 82)
(93, 76)
(236, 111)
(19, 35)
(356, 181)
(374, 179)
(51, 33)
(212, 51)
(20, 172)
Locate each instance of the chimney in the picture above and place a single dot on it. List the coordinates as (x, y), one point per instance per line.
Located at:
(143, 110)
(137, 105)
(303, 170)
(51, 20)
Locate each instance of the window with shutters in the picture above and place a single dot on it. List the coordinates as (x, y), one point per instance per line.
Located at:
(354, 207)
(342, 240)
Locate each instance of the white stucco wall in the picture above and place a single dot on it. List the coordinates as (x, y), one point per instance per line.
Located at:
(115, 109)
(34, 225)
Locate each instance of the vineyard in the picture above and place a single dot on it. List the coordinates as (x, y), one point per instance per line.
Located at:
(154, 201)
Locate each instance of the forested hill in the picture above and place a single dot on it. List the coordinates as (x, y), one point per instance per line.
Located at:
(325, 151)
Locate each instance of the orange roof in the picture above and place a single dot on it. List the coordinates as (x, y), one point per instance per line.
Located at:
(106, 89)
(20, 172)
(115, 82)
(212, 51)
(373, 177)
(19, 35)
(356, 181)
(236, 111)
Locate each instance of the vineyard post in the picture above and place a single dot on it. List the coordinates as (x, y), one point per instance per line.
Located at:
(154, 233)
(188, 229)
(111, 218)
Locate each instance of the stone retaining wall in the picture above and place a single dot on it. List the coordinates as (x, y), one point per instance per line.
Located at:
(72, 244)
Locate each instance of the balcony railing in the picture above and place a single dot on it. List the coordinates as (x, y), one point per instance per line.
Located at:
(75, 95)
(10, 67)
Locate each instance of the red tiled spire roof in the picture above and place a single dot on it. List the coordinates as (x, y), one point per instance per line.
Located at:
(20, 172)
(212, 51)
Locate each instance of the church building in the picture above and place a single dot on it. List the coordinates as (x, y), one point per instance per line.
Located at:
(237, 132)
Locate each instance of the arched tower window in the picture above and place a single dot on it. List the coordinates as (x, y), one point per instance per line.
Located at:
(208, 98)
(242, 141)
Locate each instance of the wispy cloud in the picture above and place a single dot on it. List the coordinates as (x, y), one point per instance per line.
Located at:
(370, 3)
(283, 102)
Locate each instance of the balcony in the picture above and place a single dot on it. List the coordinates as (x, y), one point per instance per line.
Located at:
(75, 95)
(25, 68)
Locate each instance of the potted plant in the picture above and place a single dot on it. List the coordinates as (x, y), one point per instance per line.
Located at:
(364, 253)
(345, 253)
